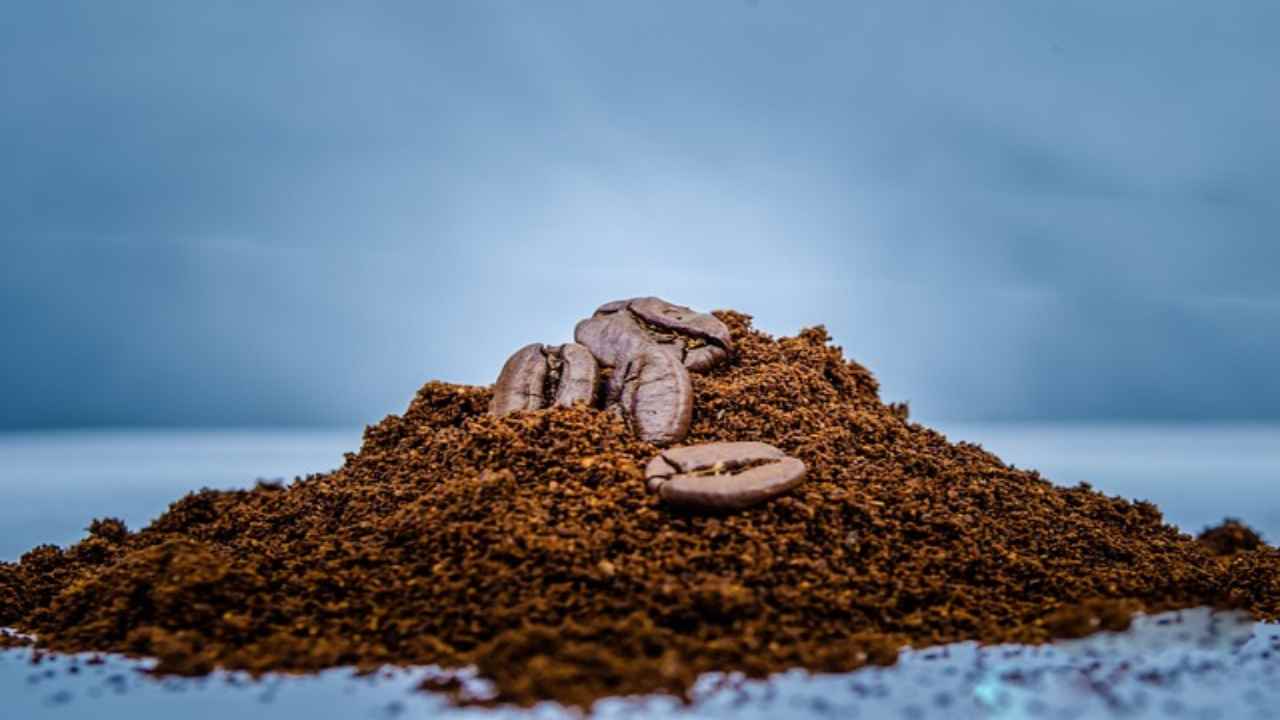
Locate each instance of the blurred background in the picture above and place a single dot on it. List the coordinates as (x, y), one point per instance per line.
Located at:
(247, 214)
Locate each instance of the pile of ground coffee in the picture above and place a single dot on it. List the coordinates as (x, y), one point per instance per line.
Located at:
(527, 545)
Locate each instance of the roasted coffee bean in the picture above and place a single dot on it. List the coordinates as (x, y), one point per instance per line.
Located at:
(723, 475)
(538, 376)
(654, 394)
(612, 338)
(620, 328)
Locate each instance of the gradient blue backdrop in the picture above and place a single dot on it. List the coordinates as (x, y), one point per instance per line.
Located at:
(224, 213)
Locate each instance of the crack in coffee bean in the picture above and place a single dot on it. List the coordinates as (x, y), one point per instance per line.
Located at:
(619, 329)
(721, 468)
(555, 371)
(723, 475)
(538, 376)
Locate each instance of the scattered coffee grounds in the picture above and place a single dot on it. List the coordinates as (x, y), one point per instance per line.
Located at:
(10, 640)
(528, 546)
(1230, 538)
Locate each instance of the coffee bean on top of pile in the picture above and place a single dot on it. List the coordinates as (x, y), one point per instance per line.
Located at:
(620, 329)
(649, 345)
(653, 392)
(723, 475)
(539, 376)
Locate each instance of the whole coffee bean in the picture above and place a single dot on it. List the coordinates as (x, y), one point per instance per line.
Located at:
(654, 394)
(538, 376)
(723, 475)
(613, 338)
(618, 329)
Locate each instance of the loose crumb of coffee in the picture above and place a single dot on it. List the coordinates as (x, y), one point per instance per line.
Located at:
(12, 640)
(529, 547)
(1230, 538)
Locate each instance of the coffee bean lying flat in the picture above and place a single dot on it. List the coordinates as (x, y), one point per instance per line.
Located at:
(538, 376)
(654, 393)
(620, 328)
(723, 475)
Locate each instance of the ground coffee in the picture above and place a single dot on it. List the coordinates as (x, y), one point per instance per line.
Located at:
(529, 546)
(1230, 538)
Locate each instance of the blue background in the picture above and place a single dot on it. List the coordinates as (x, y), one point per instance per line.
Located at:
(255, 214)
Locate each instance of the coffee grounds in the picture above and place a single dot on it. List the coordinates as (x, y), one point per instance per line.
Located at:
(1230, 538)
(528, 546)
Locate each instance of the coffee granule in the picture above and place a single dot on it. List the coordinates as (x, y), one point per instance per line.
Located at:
(528, 546)
(1230, 537)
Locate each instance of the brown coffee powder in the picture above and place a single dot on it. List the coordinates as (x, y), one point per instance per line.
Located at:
(528, 546)
(1230, 537)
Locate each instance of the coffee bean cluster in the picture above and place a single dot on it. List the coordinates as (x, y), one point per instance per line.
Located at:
(633, 357)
